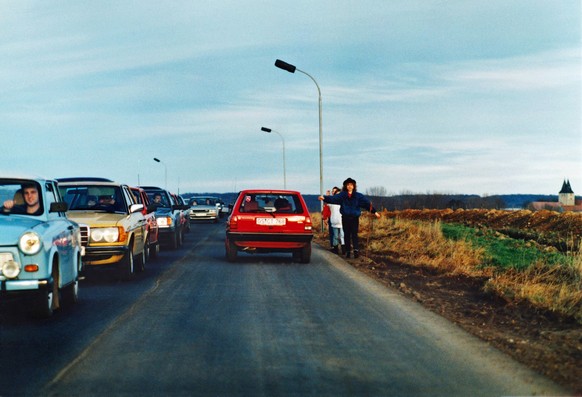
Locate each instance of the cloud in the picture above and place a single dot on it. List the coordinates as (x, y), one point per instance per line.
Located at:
(539, 71)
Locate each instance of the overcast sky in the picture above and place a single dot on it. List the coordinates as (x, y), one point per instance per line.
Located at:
(457, 96)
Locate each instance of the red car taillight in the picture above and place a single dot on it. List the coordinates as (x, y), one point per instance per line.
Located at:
(308, 225)
(233, 225)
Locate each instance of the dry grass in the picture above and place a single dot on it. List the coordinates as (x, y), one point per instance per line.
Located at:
(557, 288)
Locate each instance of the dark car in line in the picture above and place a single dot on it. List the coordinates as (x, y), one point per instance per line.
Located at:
(169, 216)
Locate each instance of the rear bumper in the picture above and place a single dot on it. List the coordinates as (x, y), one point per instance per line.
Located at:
(269, 240)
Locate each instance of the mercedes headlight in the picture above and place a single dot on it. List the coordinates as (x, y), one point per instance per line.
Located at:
(29, 243)
(104, 234)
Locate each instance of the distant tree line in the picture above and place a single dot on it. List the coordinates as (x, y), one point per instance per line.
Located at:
(436, 201)
(409, 200)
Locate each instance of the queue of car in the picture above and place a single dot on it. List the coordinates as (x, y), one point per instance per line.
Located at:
(52, 231)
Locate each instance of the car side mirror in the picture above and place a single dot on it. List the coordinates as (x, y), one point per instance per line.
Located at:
(59, 206)
(135, 208)
(151, 208)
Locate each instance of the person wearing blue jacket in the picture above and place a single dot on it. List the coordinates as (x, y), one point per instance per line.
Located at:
(351, 204)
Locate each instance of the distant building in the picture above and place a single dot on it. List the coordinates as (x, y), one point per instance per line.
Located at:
(566, 201)
(566, 196)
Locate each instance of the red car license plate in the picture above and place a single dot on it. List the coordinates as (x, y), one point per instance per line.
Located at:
(271, 221)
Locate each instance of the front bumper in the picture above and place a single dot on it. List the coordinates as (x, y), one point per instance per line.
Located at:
(203, 216)
(104, 255)
(18, 287)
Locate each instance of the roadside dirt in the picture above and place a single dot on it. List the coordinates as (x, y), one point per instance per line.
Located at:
(546, 343)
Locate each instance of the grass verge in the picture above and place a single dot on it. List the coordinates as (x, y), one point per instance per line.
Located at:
(516, 270)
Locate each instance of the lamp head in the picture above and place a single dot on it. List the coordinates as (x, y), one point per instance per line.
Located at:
(285, 66)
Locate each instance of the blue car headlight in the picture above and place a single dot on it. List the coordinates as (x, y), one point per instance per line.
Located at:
(8, 267)
(29, 243)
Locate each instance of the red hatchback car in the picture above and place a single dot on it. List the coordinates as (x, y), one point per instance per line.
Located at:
(264, 221)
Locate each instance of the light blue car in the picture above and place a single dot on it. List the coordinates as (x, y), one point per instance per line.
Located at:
(40, 249)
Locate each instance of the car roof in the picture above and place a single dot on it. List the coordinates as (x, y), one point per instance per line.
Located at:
(83, 179)
(151, 188)
(89, 182)
(269, 191)
(21, 175)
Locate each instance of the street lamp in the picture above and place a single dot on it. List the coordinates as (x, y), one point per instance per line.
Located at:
(268, 130)
(291, 69)
(165, 172)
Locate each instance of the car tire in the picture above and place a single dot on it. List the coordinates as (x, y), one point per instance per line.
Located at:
(71, 294)
(231, 251)
(126, 266)
(43, 304)
(305, 254)
(174, 241)
(147, 248)
(141, 260)
(155, 250)
(47, 301)
(180, 238)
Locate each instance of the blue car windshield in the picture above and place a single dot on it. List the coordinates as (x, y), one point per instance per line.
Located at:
(159, 198)
(22, 197)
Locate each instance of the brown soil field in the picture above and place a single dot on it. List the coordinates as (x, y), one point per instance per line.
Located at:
(544, 341)
(561, 230)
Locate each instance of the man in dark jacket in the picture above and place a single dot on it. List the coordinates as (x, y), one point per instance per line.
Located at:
(351, 204)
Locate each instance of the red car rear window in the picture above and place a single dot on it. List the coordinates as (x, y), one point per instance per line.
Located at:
(270, 202)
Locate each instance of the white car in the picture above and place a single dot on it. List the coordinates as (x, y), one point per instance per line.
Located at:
(204, 208)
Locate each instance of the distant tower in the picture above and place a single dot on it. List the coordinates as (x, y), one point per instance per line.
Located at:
(566, 195)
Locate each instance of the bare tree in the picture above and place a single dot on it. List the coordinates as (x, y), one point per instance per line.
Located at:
(376, 191)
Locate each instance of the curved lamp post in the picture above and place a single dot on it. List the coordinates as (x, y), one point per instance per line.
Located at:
(268, 130)
(165, 172)
(291, 69)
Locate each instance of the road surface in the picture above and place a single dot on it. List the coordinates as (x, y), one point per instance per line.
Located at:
(196, 325)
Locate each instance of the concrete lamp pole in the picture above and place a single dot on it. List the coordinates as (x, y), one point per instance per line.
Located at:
(165, 172)
(268, 130)
(291, 69)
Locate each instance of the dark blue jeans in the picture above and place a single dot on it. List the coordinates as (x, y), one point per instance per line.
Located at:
(351, 224)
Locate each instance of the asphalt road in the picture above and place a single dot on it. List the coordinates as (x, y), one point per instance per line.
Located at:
(194, 324)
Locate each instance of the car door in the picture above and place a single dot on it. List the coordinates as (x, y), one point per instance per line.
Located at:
(137, 223)
(63, 232)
